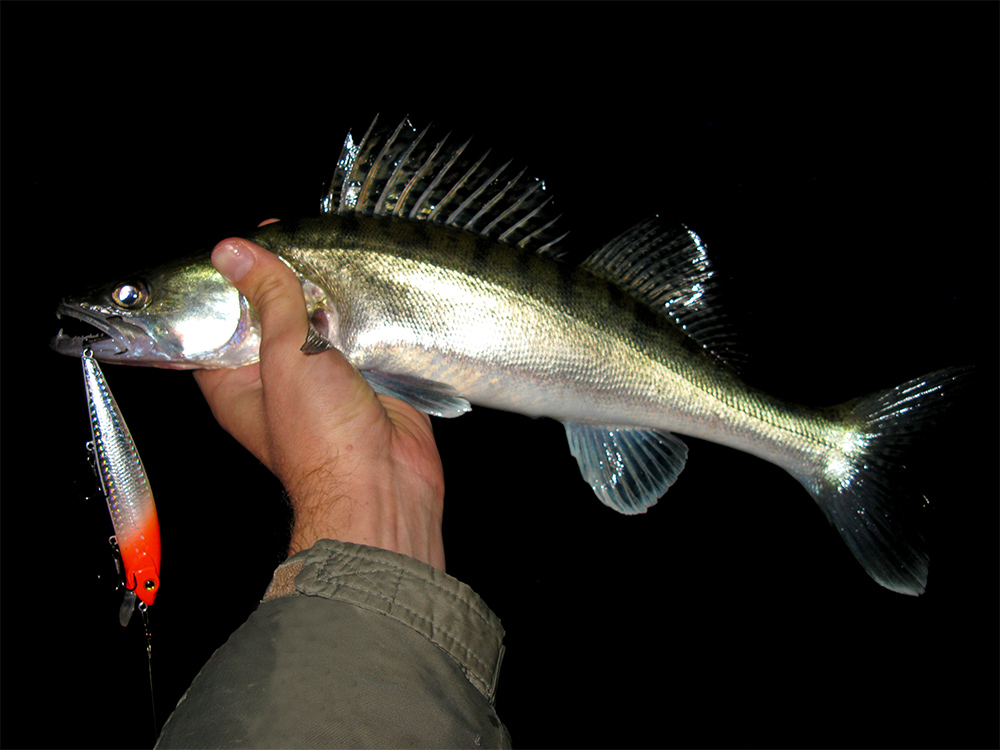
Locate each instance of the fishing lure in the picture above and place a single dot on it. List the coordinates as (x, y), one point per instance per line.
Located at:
(126, 489)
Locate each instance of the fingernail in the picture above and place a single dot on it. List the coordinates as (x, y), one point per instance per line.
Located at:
(232, 259)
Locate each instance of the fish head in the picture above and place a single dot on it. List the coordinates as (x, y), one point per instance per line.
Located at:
(181, 315)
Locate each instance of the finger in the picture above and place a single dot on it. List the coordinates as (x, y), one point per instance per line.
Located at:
(236, 400)
(226, 389)
(270, 286)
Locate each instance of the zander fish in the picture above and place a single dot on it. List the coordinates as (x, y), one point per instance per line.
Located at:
(439, 278)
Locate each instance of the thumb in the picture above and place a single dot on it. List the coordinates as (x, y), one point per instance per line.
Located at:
(270, 286)
(276, 294)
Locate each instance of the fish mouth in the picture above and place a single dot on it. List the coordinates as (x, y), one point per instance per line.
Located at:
(114, 337)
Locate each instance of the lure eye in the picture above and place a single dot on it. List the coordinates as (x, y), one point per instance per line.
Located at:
(131, 295)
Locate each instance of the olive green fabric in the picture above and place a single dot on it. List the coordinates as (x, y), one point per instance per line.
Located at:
(352, 646)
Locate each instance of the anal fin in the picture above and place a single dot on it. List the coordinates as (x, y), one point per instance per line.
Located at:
(628, 469)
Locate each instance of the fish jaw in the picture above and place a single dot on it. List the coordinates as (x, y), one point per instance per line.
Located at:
(114, 338)
(190, 318)
(119, 341)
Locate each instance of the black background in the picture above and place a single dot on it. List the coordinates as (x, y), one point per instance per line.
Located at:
(840, 161)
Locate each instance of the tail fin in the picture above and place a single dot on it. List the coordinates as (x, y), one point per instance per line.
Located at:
(861, 488)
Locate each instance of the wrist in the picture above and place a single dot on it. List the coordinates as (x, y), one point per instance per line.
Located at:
(384, 513)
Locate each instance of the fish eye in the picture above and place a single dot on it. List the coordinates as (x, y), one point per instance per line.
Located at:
(131, 295)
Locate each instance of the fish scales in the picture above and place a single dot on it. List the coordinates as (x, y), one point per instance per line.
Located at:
(575, 345)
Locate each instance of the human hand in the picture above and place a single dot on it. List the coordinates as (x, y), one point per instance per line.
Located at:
(358, 467)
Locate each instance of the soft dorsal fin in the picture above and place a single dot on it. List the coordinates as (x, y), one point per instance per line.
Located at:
(667, 267)
(400, 172)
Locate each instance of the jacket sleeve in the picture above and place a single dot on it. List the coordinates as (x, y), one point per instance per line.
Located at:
(352, 646)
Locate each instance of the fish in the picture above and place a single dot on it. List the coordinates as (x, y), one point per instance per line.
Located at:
(443, 278)
(126, 489)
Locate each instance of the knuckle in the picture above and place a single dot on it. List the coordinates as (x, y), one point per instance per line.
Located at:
(271, 288)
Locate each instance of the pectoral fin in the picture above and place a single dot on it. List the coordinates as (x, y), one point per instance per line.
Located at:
(428, 396)
(628, 469)
(315, 342)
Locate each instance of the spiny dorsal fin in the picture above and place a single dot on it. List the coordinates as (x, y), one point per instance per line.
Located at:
(400, 172)
(667, 267)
